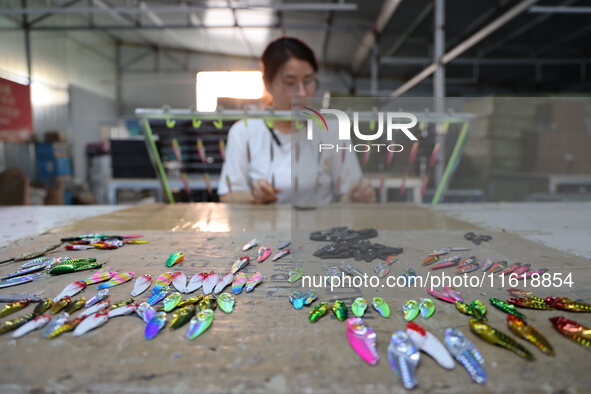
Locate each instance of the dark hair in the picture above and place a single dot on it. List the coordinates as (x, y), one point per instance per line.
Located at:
(280, 51)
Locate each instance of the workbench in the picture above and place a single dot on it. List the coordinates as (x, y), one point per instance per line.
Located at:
(266, 345)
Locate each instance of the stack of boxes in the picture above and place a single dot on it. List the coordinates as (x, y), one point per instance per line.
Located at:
(54, 168)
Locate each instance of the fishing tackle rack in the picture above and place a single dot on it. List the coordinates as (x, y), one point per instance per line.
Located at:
(171, 115)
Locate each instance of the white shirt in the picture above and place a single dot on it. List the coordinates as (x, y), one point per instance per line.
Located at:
(317, 178)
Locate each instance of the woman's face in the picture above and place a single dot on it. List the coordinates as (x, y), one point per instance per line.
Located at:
(296, 78)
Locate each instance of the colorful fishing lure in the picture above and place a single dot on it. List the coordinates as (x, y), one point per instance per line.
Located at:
(572, 330)
(95, 308)
(125, 302)
(410, 310)
(154, 326)
(23, 271)
(59, 305)
(496, 337)
(19, 280)
(145, 311)
(159, 296)
(66, 327)
(223, 282)
(318, 311)
(35, 324)
(520, 328)
(409, 276)
(466, 354)
(179, 281)
(101, 295)
(281, 254)
(200, 323)
(430, 260)
(54, 325)
(487, 264)
(382, 269)
(43, 307)
(100, 276)
(70, 266)
(363, 340)
(531, 303)
(208, 302)
(254, 280)
(468, 268)
(239, 282)
(340, 310)
(381, 306)
(520, 293)
(449, 294)
(171, 301)
(310, 296)
(296, 299)
(263, 253)
(117, 280)
(427, 308)
(226, 302)
(123, 310)
(567, 304)
(497, 267)
(163, 280)
(209, 283)
(182, 316)
(195, 282)
(71, 290)
(426, 342)
(349, 269)
(240, 263)
(141, 284)
(359, 306)
(510, 269)
(506, 307)
(14, 307)
(295, 275)
(250, 244)
(404, 359)
(190, 301)
(76, 305)
(174, 259)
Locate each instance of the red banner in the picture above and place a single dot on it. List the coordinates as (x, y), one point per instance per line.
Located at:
(16, 121)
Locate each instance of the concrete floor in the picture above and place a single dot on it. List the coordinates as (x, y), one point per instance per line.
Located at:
(564, 226)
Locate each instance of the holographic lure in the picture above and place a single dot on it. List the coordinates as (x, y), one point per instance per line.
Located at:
(223, 282)
(520, 328)
(190, 301)
(200, 323)
(318, 311)
(174, 259)
(430, 260)
(250, 244)
(497, 267)
(531, 303)
(32, 325)
(100, 276)
(359, 306)
(226, 302)
(154, 326)
(19, 280)
(426, 342)
(466, 354)
(141, 284)
(254, 280)
(281, 254)
(195, 282)
(208, 302)
(171, 301)
(295, 275)
(209, 282)
(572, 330)
(382, 268)
(15, 323)
(159, 296)
(59, 305)
(66, 327)
(41, 261)
(70, 266)
(444, 264)
(117, 280)
(310, 296)
(487, 264)
(163, 280)
(349, 269)
(506, 307)
(182, 316)
(263, 253)
(510, 269)
(119, 304)
(239, 282)
(363, 340)
(76, 305)
(427, 308)
(101, 295)
(404, 359)
(520, 293)
(95, 308)
(478, 310)
(381, 306)
(23, 271)
(179, 281)
(296, 299)
(496, 337)
(567, 304)
(468, 268)
(43, 307)
(410, 310)
(14, 307)
(54, 325)
(340, 310)
(409, 276)
(240, 263)
(521, 270)
(71, 290)
(145, 311)
(123, 310)
(449, 294)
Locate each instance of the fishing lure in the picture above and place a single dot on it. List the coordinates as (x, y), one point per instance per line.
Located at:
(567, 304)
(23, 271)
(410, 310)
(20, 280)
(340, 310)
(91, 322)
(466, 354)
(71, 290)
(572, 330)
(54, 325)
(510, 269)
(163, 280)
(239, 282)
(284, 244)
(123, 310)
(35, 324)
(468, 268)
(100, 276)
(457, 258)
(349, 269)
(254, 280)
(506, 307)
(179, 281)
(381, 306)
(478, 310)
(145, 311)
(223, 282)
(195, 282)
(531, 303)
(174, 259)
(41, 261)
(444, 264)
(209, 283)
(101, 295)
(226, 302)
(382, 268)
(487, 264)
(159, 296)
(76, 305)
(496, 337)
(125, 302)
(363, 340)
(182, 316)
(318, 311)
(449, 294)
(66, 327)
(443, 251)
(69, 267)
(208, 302)
(430, 260)
(426, 342)
(250, 244)
(296, 299)
(14, 307)
(404, 359)
(43, 307)
(171, 301)
(190, 301)
(409, 277)
(117, 280)
(141, 284)
(200, 323)
(281, 254)
(520, 293)
(359, 306)
(240, 263)
(497, 267)
(295, 275)
(310, 296)
(263, 253)
(427, 308)
(520, 270)
(95, 308)
(59, 305)
(520, 328)
(154, 326)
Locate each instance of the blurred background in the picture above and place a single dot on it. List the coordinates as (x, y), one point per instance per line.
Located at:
(79, 79)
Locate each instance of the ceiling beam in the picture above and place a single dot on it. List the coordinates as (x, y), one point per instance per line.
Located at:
(488, 61)
(560, 10)
(48, 14)
(465, 45)
(409, 30)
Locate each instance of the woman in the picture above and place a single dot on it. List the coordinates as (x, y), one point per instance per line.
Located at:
(259, 159)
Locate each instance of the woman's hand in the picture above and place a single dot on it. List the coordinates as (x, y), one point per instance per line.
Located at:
(361, 192)
(263, 192)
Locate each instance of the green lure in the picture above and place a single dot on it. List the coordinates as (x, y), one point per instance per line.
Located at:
(182, 316)
(359, 306)
(171, 301)
(76, 305)
(226, 302)
(175, 258)
(318, 311)
(340, 310)
(381, 306)
(43, 307)
(506, 307)
(69, 267)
